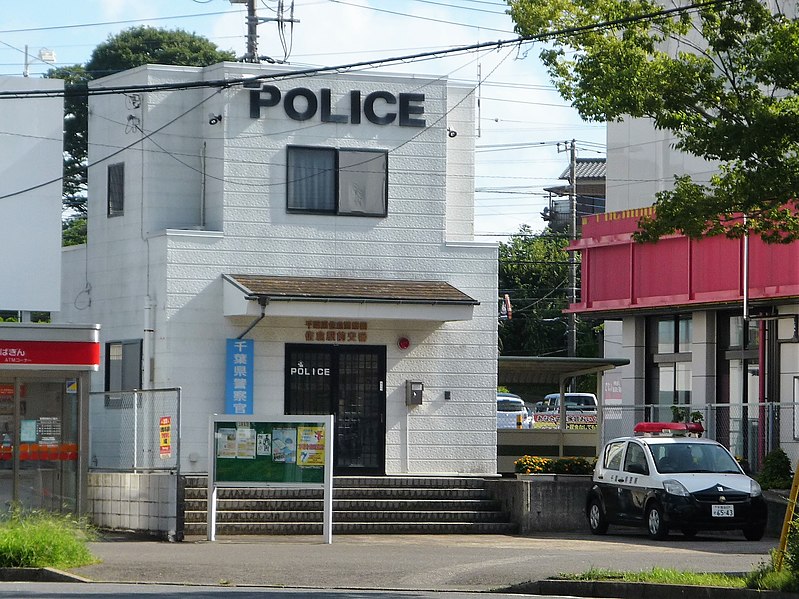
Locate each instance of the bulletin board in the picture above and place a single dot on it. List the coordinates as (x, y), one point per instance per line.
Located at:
(278, 451)
(261, 452)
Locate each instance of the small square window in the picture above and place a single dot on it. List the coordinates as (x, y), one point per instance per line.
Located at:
(116, 189)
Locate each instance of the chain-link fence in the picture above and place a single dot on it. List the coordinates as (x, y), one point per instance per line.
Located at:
(749, 430)
(135, 430)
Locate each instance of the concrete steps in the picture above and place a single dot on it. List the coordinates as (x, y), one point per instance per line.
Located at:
(361, 505)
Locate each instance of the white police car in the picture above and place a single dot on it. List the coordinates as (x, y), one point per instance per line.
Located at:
(667, 477)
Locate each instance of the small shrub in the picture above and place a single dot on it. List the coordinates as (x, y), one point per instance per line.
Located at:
(538, 465)
(776, 472)
(44, 540)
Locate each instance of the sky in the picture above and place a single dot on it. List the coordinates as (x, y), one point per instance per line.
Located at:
(521, 116)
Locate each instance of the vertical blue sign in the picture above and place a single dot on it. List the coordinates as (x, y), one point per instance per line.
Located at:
(238, 377)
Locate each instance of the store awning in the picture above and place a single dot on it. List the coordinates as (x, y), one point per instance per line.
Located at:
(336, 297)
(550, 370)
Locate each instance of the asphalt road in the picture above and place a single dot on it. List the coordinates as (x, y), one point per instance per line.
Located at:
(411, 562)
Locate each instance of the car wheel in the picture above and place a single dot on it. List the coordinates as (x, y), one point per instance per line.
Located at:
(655, 523)
(597, 520)
(754, 532)
(688, 532)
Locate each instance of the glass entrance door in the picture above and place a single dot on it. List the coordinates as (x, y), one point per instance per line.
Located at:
(39, 443)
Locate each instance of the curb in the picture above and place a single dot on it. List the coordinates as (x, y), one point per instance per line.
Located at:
(38, 575)
(638, 590)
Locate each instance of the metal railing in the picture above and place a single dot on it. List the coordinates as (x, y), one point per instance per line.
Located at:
(749, 430)
(135, 430)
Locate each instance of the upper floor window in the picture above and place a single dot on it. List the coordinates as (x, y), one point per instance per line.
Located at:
(331, 181)
(123, 365)
(116, 189)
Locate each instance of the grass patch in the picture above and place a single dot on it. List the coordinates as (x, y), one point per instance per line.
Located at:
(662, 576)
(44, 540)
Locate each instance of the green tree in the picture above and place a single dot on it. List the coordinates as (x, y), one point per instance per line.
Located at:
(534, 272)
(130, 48)
(722, 77)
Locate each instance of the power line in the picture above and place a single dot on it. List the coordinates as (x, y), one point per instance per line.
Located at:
(374, 63)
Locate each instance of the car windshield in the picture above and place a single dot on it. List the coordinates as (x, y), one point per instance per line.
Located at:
(508, 405)
(693, 457)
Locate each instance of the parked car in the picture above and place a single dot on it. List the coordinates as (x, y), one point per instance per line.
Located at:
(665, 481)
(582, 402)
(581, 411)
(511, 411)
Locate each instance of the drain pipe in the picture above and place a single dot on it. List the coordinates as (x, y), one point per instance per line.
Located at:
(263, 301)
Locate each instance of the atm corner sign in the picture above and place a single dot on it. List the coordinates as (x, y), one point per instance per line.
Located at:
(71, 354)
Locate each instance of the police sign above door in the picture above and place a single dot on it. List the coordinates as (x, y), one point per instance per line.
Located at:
(379, 107)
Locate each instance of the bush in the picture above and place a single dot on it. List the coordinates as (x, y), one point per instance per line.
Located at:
(776, 472)
(44, 540)
(538, 465)
(767, 577)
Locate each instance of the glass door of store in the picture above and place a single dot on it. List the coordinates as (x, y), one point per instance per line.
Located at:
(39, 443)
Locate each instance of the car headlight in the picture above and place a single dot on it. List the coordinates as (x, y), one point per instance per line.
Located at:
(754, 488)
(675, 487)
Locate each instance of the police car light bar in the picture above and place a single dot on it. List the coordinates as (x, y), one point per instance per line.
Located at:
(671, 429)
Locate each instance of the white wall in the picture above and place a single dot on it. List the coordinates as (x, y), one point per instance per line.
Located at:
(31, 155)
(157, 253)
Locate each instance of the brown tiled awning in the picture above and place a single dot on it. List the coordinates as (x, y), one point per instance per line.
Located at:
(336, 289)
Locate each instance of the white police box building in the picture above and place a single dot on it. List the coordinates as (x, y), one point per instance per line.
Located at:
(293, 245)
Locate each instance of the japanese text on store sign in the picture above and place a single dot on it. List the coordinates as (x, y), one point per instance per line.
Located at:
(13, 355)
(338, 331)
(239, 377)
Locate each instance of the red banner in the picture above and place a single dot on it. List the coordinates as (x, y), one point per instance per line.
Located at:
(50, 353)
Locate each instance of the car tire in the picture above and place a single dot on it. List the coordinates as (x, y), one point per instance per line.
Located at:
(655, 522)
(597, 521)
(754, 532)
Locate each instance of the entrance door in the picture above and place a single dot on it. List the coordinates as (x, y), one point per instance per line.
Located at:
(348, 382)
(39, 443)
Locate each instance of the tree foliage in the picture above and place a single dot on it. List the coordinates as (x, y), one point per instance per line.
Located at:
(131, 48)
(722, 77)
(534, 272)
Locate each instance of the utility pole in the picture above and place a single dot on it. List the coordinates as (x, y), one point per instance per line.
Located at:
(572, 344)
(571, 333)
(253, 21)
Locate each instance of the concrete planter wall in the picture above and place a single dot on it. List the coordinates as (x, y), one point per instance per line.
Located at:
(544, 502)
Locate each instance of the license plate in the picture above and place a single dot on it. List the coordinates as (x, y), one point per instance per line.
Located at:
(723, 511)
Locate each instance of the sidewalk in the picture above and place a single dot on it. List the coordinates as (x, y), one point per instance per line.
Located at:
(409, 562)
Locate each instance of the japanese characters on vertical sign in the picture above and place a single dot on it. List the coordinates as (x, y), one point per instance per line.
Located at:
(239, 376)
(165, 431)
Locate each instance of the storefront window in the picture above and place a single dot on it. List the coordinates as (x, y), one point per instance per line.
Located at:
(669, 368)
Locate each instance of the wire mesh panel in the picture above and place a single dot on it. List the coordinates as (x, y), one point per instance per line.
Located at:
(135, 430)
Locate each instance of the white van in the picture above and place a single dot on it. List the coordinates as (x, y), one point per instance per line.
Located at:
(511, 411)
(581, 411)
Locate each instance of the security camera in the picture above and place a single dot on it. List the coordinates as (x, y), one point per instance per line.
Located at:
(451, 132)
(213, 119)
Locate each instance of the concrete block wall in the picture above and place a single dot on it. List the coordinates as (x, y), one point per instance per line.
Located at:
(545, 502)
(140, 502)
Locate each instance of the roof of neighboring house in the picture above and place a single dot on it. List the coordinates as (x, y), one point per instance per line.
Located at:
(586, 168)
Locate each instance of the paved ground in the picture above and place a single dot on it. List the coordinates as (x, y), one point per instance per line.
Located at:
(412, 562)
